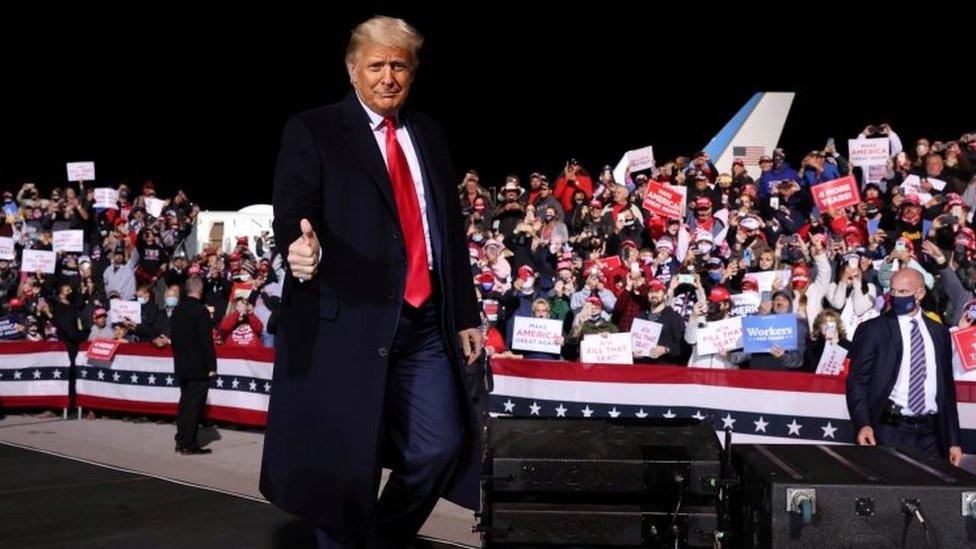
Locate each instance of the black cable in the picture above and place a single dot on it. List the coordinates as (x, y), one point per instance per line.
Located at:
(680, 480)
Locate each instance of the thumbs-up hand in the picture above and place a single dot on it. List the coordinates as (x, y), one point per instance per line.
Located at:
(304, 253)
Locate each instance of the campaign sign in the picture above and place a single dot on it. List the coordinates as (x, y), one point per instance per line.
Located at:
(837, 193)
(762, 333)
(536, 334)
(607, 349)
(644, 335)
(724, 335)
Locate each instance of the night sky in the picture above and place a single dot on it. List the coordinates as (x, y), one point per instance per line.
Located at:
(198, 101)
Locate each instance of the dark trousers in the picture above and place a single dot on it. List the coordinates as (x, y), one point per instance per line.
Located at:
(423, 427)
(921, 436)
(193, 396)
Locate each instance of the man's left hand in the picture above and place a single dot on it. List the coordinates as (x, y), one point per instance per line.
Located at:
(472, 342)
(955, 455)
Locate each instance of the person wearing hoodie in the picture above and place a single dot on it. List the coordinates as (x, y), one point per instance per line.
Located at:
(780, 170)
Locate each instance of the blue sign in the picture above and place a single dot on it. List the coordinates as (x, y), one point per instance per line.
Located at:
(762, 333)
(8, 328)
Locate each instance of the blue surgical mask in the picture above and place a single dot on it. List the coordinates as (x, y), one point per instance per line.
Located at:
(487, 286)
(715, 275)
(172, 301)
(477, 237)
(547, 217)
(903, 305)
(142, 300)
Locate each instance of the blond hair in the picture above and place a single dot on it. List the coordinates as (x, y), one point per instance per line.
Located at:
(385, 31)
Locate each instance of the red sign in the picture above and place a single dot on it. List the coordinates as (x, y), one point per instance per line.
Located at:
(606, 265)
(964, 342)
(102, 350)
(838, 193)
(665, 200)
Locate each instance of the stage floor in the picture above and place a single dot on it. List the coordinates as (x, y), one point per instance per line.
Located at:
(48, 501)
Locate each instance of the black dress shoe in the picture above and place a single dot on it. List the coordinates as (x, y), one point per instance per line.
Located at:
(195, 451)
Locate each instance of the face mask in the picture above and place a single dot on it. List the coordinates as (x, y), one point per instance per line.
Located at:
(903, 305)
(172, 301)
(477, 237)
(487, 286)
(715, 275)
(715, 311)
(142, 300)
(704, 248)
(647, 260)
(547, 217)
(528, 284)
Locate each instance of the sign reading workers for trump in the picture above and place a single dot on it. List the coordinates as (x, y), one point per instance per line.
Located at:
(536, 334)
(665, 200)
(722, 335)
(762, 333)
(607, 349)
(837, 193)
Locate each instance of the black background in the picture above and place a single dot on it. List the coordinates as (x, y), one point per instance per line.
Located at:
(197, 101)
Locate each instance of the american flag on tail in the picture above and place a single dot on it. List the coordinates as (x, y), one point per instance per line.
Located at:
(748, 155)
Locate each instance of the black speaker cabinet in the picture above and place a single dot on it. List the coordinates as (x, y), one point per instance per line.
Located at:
(850, 496)
(646, 459)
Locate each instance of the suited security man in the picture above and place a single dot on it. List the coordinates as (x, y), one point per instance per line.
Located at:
(900, 390)
(195, 363)
(378, 342)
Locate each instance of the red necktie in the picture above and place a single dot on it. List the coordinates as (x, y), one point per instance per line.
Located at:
(417, 289)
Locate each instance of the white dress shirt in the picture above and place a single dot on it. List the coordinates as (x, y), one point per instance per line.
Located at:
(899, 393)
(403, 137)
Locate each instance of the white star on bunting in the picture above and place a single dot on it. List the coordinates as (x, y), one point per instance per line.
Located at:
(794, 428)
(37, 374)
(116, 376)
(698, 415)
(561, 410)
(761, 424)
(235, 383)
(267, 386)
(169, 380)
(613, 412)
(252, 386)
(16, 375)
(56, 374)
(134, 378)
(101, 374)
(586, 411)
(152, 379)
(220, 382)
(641, 413)
(829, 430)
(669, 414)
(509, 406)
(534, 409)
(728, 422)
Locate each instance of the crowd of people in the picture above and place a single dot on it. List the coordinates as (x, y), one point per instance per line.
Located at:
(583, 250)
(128, 255)
(579, 248)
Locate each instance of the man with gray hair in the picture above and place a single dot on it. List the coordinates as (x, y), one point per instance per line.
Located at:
(379, 349)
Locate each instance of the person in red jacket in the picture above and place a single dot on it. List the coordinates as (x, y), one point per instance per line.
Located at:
(241, 327)
(573, 178)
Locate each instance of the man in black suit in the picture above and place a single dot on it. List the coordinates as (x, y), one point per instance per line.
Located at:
(378, 344)
(195, 363)
(900, 391)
